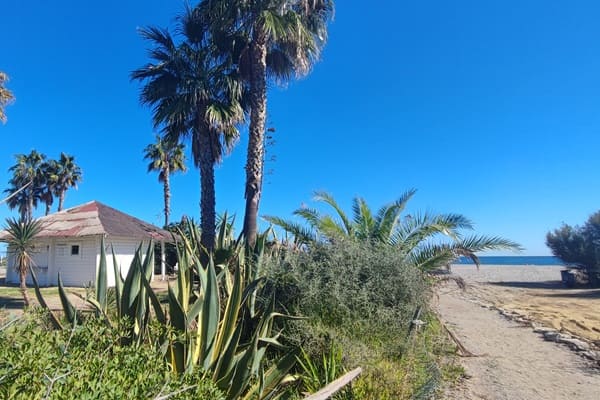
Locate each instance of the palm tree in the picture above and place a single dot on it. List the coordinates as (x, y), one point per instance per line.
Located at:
(269, 39)
(193, 96)
(68, 175)
(48, 184)
(27, 180)
(166, 158)
(20, 243)
(417, 236)
(6, 97)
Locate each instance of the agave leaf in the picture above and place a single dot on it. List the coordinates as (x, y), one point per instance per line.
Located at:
(99, 310)
(53, 318)
(230, 316)
(131, 286)
(118, 283)
(70, 312)
(225, 366)
(158, 311)
(209, 318)
(273, 377)
(178, 317)
(241, 376)
(101, 279)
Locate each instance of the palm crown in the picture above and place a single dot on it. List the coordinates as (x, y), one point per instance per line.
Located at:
(166, 158)
(418, 236)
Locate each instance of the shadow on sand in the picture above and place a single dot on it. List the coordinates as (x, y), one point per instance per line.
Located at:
(11, 303)
(559, 289)
(530, 285)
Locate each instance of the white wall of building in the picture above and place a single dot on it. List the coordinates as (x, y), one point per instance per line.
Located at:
(76, 259)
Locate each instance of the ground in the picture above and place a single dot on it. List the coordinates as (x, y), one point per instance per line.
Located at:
(11, 301)
(511, 361)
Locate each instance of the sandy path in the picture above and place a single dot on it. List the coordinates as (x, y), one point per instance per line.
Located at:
(513, 363)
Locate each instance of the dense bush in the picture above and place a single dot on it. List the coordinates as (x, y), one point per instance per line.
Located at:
(579, 246)
(361, 298)
(362, 290)
(87, 362)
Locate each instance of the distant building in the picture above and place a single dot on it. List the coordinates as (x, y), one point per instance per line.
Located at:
(70, 241)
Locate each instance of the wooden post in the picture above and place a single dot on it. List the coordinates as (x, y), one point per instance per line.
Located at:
(335, 386)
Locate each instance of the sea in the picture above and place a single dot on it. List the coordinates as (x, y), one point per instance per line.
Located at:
(513, 260)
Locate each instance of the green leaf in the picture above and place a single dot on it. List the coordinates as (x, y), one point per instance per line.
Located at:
(101, 279)
(53, 318)
(70, 311)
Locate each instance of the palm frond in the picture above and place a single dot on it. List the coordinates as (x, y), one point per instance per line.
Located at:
(328, 199)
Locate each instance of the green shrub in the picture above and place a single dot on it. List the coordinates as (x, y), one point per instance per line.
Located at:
(361, 298)
(87, 362)
(361, 290)
(579, 246)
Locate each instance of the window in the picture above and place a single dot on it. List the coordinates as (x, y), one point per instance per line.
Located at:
(75, 250)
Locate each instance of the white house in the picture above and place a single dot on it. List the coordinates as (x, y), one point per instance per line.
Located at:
(70, 241)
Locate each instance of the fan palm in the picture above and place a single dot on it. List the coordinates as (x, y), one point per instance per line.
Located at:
(166, 158)
(267, 40)
(416, 236)
(27, 183)
(68, 175)
(21, 235)
(6, 97)
(193, 96)
(48, 183)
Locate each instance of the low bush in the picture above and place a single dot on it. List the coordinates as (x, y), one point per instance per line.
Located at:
(87, 362)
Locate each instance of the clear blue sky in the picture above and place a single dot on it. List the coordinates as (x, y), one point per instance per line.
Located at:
(490, 109)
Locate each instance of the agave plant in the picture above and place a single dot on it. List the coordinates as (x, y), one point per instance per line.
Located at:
(211, 321)
(417, 235)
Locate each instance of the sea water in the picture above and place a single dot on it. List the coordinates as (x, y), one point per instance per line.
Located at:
(513, 260)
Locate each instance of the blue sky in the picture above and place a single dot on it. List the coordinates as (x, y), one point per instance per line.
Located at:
(489, 109)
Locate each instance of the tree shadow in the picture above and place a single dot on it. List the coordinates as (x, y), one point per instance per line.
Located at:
(577, 294)
(581, 292)
(10, 303)
(530, 285)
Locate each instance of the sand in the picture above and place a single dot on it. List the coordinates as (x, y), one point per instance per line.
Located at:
(512, 361)
(537, 293)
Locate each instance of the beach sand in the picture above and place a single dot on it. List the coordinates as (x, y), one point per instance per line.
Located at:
(536, 292)
(508, 360)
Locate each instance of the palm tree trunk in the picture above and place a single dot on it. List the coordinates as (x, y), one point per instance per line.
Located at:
(47, 208)
(167, 193)
(207, 193)
(61, 200)
(23, 285)
(256, 149)
(30, 208)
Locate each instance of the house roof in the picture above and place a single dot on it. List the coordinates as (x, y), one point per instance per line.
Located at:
(95, 218)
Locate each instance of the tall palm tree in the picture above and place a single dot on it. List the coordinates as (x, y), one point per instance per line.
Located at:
(416, 236)
(193, 96)
(48, 184)
(166, 158)
(20, 243)
(27, 180)
(266, 39)
(6, 96)
(68, 175)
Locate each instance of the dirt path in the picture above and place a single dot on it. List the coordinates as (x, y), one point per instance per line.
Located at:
(513, 363)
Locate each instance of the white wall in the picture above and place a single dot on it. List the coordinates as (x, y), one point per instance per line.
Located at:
(54, 255)
(124, 249)
(41, 260)
(75, 269)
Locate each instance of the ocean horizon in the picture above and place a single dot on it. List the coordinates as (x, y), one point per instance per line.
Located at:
(513, 260)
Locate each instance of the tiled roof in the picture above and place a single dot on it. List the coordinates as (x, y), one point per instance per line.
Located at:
(95, 218)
